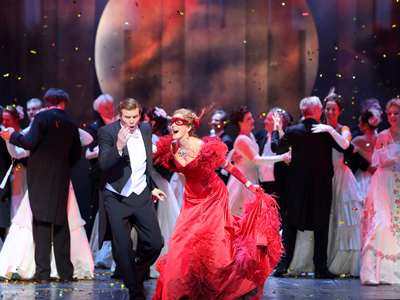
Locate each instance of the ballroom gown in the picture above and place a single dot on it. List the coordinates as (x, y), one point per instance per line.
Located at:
(381, 221)
(212, 253)
(239, 195)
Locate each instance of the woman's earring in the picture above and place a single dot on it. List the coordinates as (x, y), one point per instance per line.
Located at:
(187, 135)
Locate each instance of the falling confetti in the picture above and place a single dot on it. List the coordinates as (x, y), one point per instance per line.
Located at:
(180, 12)
(33, 51)
(79, 15)
(305, 14)
(6, 75)
(126, 23)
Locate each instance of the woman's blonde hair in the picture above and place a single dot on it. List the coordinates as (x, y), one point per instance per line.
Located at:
(394, 101)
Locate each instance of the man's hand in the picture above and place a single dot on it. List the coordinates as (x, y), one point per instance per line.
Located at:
(159, 194)
(277, 121)
(6, 133)
(287, 157)
(123, 136)
(236, 157)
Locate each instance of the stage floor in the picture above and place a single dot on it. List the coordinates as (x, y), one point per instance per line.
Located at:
(102, 287)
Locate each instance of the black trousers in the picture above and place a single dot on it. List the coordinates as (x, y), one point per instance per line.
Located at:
(127, 212)
(42, 236)
(320, 247)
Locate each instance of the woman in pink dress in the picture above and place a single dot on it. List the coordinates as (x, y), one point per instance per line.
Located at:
(381, 216)
(213, 254)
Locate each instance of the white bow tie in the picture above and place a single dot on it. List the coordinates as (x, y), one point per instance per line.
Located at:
(135, 134)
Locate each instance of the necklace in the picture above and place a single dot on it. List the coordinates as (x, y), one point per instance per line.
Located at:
(183, 152)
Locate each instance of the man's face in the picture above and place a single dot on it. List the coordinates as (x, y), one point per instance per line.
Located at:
(130, 118)
(269, 122)
(33, 109)
(106, 110)
(216, 122)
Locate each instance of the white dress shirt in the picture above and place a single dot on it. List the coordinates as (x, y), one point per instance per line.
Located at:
(137, 156)
(266, 172)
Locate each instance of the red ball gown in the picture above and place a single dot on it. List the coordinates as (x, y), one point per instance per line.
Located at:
(212, 253)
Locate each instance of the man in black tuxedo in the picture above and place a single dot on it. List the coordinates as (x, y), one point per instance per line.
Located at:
(309, 187)
(273, 177)
(126, 160)
(55, 147)
(218, 123)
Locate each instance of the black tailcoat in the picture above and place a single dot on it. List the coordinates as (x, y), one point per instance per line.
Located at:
(309, 187)
(55, 147)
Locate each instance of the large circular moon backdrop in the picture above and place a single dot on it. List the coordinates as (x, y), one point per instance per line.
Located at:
(261, 54)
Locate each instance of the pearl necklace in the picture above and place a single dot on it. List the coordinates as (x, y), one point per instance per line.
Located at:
(183, 153)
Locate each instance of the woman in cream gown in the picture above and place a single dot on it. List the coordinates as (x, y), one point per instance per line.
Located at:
(381, 214)
(17, 254)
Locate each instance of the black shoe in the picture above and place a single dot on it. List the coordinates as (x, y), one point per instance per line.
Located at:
(326, 275)
(279, 272)
(72, 279)
(37, 280)
(115, 276)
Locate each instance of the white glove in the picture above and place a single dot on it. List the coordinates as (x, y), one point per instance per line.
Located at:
(342, 142)
(263, 160)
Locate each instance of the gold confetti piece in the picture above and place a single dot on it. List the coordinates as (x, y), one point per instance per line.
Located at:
(6, 75)
(384, 55)
(180, 12)
(89, 59)
(44, 26)
(394, 25)
(46, 17)
(76, 48)
(33, 51)
(79, 15)
(126, 23)
(245, 41)
(283, 3)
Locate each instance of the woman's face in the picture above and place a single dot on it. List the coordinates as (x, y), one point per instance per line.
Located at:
(8, 120)
(332, 111)
(178, 128)
(393, 116)
(248, 122)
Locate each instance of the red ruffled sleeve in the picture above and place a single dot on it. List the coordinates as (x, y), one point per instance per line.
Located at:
(213, 153)
(164, 155)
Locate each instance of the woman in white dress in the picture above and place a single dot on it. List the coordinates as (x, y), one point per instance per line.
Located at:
(365, 144)
(246, 146)
(17, 254)
(344, 224)
(11, 116)
(381, 215)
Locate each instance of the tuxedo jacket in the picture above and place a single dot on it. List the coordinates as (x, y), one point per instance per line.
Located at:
(116, 168)
(54, 145)
(309, 186)
(281, 169)
(92, 129)
(227, 140)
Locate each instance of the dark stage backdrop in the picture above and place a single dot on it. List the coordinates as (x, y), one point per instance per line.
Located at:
(176, 53)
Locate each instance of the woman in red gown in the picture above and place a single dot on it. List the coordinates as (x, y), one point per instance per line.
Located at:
(212, 253)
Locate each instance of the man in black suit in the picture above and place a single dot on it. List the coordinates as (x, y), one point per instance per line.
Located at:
(126, 159)
(309, 188)
(55, 147)
(273, 177)
(218, 123)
